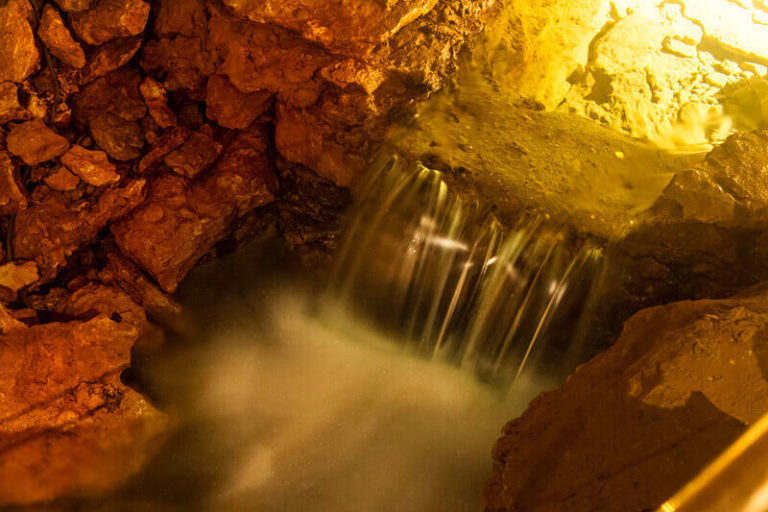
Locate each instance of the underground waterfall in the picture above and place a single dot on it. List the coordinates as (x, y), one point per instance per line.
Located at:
(406, 255)
(384, 390)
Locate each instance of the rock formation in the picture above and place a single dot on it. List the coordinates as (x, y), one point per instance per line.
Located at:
(634, 424)
(137, 138)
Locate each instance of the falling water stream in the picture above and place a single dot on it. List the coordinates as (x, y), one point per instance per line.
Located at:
(383, 391)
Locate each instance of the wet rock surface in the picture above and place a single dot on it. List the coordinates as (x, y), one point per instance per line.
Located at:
(634, 424)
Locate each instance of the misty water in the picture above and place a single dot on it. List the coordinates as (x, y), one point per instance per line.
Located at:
(276, 410)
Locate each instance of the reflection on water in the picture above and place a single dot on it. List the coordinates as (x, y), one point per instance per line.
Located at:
(275, 411)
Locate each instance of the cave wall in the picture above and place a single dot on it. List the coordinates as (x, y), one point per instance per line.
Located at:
(138, 138)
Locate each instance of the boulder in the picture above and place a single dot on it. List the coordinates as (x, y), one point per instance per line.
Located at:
(19, 56)
(35, 143)
(69, 426)
(110, 19)
(56, 36)
(56, 226)
(91, 166)
(12, 196)
(182, 219)
(637, 422)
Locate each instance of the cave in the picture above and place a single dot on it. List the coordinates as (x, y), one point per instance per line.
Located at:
(377, 255)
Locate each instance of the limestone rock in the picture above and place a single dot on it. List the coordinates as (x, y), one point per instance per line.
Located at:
(110, 19)
(10, 108)
(61, 179)
(198, 152)
(14, 276)
(156, 99)
(91, 166)
(231, 108)
(54, 226)
(731, 26)
(310, 210)
(181, 220)
(35, 143)
(56, 36)
(69, 426)
(12, 197)
(18, 53)
(635, 423)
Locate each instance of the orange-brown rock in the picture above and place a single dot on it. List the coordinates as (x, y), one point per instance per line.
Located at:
(35, 143)
(638, 421)
(56, 36)
(55, 226)
(110, 19)
(182, 219)
(108, 57)
(75, 5)
(163, 146)
(122, 272)
(243, 178)
(343, 25)
(110, 106)
(195, 155)
(182, 62)
(62, 179)
(68, 426)
(156, 99)
(305, 137)
(19, 57)
(703, 236)
(184, 18)
(14, 276)
(10, 108)
(231, 108)
(94, 299)
(115, 93)
(91, 166)
(122, 140)
(8, 322)
(167, 235)
(258, 57)
(12, 198)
